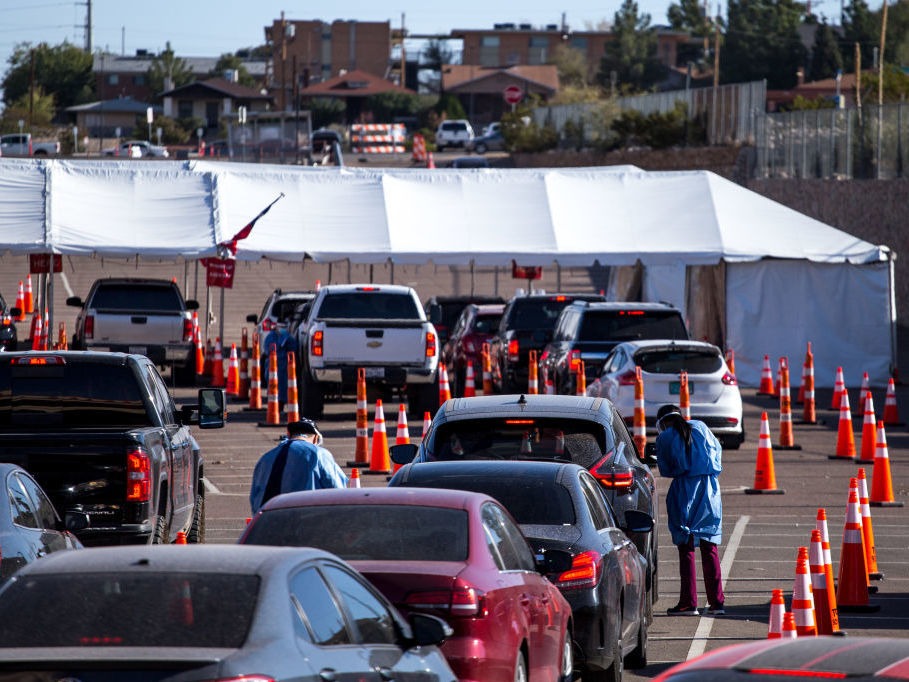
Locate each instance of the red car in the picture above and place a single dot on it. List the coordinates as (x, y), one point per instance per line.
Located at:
(451, 553)
(476, 325)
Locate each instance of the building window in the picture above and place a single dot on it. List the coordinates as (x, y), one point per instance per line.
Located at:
(489, 41)
(139, 80)
(113, 79)
(185, 108)
(537, 52)
(579, 43)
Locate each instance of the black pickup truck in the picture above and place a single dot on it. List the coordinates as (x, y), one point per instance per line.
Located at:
(101, 434)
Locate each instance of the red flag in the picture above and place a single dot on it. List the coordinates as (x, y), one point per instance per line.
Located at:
(231, 245)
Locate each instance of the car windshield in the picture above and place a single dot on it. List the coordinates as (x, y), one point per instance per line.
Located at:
(137, 298)
(628, 325)
(361, 305)
(674, 360)
(382, 532)
(538, 313)
(572, 440)
(147, 610)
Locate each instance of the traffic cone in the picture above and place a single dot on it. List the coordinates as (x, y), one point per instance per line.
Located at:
(29, 298)
(852, 581)
(45, 331)
(867, 528)
(730, 361)
(62, 342)
(891, 412)
(200, 351)
(809, 405)
(821, 527)
(825, 612)
(764, 474)
(790, 631)
(581, 379)
(255, 376)
(217, 366)
(181, 538)
(639, 423)
(863, 392)
(787, 438)
(684, 396)
(839, 387)
(273, 410)
(37, 331)
(402, 434)
(427, 421)
(232, 387)
(430, 161)
(444, 387)
(533, 385)
(845, 438)
(881, 484)
(777, 609)
(244, 365)
(292, 406)
(20, 302)
(869, 431)
(354, 480)
(470, 386)
(802, 597)
(361, 455)
(766, 385)
(380, 462)
(487, 370)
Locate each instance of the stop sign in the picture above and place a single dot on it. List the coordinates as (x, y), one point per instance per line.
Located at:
(513, 94)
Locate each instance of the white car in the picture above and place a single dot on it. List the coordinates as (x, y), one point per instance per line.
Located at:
(714, 391)
(138, 149)
(454, 133)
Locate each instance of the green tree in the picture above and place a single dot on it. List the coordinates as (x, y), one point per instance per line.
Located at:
(762, 41)
(690, 16)
(168, 70)
(434, 56)
(64, 71)
(826, 59)
(227, 62)
(632, 52)
(896, 49)
(449, 106)
(860, 25)
(387, 105)
(571, 65)
(36, 109)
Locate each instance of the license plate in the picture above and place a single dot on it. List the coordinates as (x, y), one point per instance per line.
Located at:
(139, 350)
(674, 387)
(375, 372)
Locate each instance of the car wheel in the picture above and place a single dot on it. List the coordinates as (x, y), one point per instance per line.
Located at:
(520, 668)
(566, 671)
(159, 536)
(638, 657)
(480, 148)
(196, 534)
(614, 672)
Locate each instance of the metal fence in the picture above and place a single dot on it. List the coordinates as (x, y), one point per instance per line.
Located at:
(867, 143)
(729, 112)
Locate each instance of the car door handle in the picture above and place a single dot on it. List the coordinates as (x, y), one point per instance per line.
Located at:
(328, 674)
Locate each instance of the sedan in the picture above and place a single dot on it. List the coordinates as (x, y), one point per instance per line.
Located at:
(714, 391)
(209, 612)
(475, 326)
(455, 554)
(560, 506)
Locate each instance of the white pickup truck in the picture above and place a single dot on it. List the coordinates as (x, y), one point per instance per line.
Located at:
(21, 144)
(381, 328)
(135, 315)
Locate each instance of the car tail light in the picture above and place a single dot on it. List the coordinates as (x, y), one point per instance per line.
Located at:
(88, 329)
(38, 360)
(430, 344)
(138, 476)
(585, 571)
(544, 355)
(461, 600)
(268, 325)
(315, 344)
(611, 475)
(513, 348)
(368, 289)
(627, 379)
(188, 330)
(729, 379)
(574, 360)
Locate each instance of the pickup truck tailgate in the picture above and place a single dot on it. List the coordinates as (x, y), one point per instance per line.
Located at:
(151, 327)
(385, 342)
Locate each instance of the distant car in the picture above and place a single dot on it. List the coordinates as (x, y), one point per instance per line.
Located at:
(444, 311)
(474, 327)
(490, 140)
(470, 162)
(8, 334)
(279, 307)
(714, 392)
(209, 612)
(857, 659)
(458, 555)
(453, 133)
(137, 149)
(30, 527)
(560, 506)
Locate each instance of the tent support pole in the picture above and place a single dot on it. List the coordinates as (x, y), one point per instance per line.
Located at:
(472, 273)
(221, 322)
(558, 277)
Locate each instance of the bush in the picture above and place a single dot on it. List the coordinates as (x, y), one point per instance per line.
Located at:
(523, 134)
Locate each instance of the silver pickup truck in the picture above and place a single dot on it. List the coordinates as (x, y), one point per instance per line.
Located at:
(22, 144)
(144, 316)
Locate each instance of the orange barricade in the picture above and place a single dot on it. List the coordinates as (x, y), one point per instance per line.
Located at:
(639, 426)
(361, 456)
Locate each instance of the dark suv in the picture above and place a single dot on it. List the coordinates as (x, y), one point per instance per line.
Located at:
(589, 331)
(444, 311)
(527, 324)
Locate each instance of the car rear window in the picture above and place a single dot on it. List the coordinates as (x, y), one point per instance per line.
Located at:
(148, 610)
(486, 324)
(538, 313)
(369, 305)
(381, 532)
(136, 298)
(284, 308)
(571, 440)
(629, 325)
(673, 361)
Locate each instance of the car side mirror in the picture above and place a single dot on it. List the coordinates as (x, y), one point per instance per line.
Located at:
(403, 454)
(553, 561)
(637, 521)
(252, 318)
(15, 312)
(74, 301)
(191, 304)
(209, 413)
(429, 630)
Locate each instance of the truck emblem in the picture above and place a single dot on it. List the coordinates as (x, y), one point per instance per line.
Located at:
(373, 344)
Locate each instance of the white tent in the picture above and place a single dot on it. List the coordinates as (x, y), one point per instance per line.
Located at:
(777, 278)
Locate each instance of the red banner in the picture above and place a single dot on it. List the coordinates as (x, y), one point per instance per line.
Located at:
(39, 263)
(219, 272)
(526, 271)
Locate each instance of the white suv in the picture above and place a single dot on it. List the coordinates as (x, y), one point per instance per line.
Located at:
(455, 133)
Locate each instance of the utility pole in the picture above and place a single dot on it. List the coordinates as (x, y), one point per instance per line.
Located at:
(88, 26)
(283, 60)
(403, 59)
(880, 61)
(31, 86)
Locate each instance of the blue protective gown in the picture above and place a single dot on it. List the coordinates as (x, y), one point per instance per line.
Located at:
(283, 343)
(693, 504)
(309, 467)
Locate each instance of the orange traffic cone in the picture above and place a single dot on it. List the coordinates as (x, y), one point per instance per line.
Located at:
(867, 528)
(427, 420)
(839, 387)
(809, 405)
(20, 303)
(684, 395)
(29, 298)
(787, 438)
(470, 386)
(891, 411)
(821, 527)
(777, 609)
(273, 410)
(639, 423)
(766, 385)
(354, 480)
(881, 483)
(581, 379)
(200, 351)
(487, 370)
(45, 331)
(217, 366)
(852, 581)
(430, 161)
(863, 392)
(790, 631)
(402, 434)
(444, 387)
(802, 597)
(255, 376)
(825, 612)
(548, 385)
(181, 538)
(292, 406)
(845, 438)
(380, 462)
(62, 342)
(869, 431)
(37, 331)
(361, 455)
(764, 474)
(730, 361)
(233, 373)
(244, 365)
(533, 386)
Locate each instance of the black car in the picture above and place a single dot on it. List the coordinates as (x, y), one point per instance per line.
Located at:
(587, 332)
(526, 325)
(560, 506)
(587, 431)
(209, 612)
(443, 311)
(8, 337)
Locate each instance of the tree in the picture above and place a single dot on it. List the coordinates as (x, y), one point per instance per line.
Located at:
(386, 106)
(762, 41)
(36, 108)
(571, 65)
(64, 71)
(690, 16)
(167, 70)
(896, 48)
(435, 55)
(826, 59)
(632, 52)
(859, 26)
(228, 62)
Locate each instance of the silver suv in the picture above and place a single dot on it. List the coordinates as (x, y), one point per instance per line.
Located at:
(455, 133)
